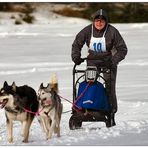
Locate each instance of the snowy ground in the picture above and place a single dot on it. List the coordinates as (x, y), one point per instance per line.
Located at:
(29, 54)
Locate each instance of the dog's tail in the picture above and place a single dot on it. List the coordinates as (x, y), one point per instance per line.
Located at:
(54, 82)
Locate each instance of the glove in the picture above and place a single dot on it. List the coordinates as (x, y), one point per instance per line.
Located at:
(78, 60)
(93, 55)
(101, 59)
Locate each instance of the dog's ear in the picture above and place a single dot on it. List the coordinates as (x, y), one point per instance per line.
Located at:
(41, 86)
(48, 87)
(13, 86)
(5, 84)
(53, 87)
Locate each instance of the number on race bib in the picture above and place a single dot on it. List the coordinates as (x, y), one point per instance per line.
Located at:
(98, 47)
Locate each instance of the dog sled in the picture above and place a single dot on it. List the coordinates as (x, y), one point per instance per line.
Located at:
(88, 84)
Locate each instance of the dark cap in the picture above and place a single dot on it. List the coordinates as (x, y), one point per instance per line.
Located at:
(100, 14)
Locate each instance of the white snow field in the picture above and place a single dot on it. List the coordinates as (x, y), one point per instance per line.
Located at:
(29, 54)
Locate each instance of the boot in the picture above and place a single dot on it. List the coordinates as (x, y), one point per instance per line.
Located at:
(113, 119)
(110, 121)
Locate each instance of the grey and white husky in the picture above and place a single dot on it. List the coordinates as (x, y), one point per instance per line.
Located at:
(50, 108)
(15, 100)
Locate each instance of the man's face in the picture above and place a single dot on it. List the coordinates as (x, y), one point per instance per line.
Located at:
(99, 24)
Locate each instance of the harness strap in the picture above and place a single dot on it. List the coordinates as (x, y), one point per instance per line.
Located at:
(48, 111)
(73, 104)
(29, 111)
(68, 101)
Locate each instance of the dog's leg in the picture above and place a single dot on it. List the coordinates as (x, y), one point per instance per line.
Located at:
(60, 111)
(57, 129)
(41, 124)
(26, 126)
(9, 130)
(51, 130)
(24, 132)
(58, 119)
(28, 129)
(44, 123)
(47, 124)
(52, 127)
(23, 128)
(58, 116)
(45, 127)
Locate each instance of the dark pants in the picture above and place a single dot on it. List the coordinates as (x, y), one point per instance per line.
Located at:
(110, 78)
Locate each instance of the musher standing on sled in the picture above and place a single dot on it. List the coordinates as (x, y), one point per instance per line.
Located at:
(106, 48)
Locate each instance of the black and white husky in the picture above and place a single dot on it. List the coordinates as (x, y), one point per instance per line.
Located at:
(50, 108)
(15, 100)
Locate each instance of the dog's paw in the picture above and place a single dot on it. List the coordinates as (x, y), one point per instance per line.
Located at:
(58, 135)
(10, 140)
(49, 137)
(22, 134)
(25, 141)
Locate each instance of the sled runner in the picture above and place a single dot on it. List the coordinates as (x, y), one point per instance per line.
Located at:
(90, 100)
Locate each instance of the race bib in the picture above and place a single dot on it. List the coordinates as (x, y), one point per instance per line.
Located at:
(98, 44)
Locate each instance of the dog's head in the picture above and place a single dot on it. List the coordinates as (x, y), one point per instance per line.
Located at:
(45, 95)
(6, 95)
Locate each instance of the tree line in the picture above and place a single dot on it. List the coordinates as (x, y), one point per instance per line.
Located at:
(118, 12)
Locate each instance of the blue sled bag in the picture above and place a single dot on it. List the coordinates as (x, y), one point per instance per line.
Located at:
(94, 97)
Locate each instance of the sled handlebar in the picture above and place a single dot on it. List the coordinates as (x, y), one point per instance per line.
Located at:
(74, 72)
(78, 71)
